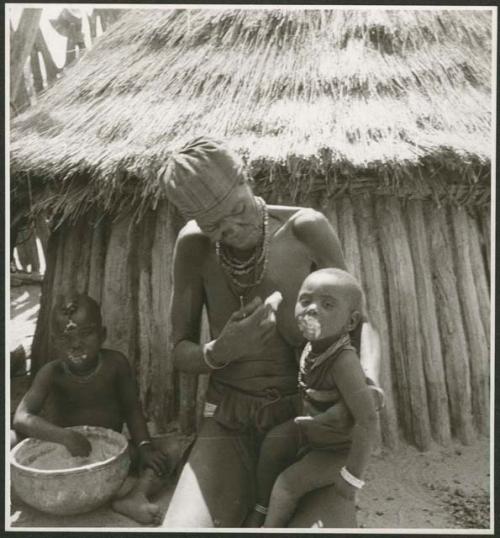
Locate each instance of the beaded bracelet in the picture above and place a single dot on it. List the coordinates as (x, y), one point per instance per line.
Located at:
(351, 479)
(207, 351)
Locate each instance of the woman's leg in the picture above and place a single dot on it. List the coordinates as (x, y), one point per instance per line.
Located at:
(216, 485)
(324, 507)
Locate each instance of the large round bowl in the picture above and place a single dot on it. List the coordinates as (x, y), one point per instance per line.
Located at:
(73, 490)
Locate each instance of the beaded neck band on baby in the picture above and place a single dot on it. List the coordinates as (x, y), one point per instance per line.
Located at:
(82, 378)
(256, 263)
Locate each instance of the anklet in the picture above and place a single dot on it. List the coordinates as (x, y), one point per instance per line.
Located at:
(261, 509)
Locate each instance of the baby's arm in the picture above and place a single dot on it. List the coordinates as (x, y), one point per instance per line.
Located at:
(28, 423)
(351, 382)
(135, 419)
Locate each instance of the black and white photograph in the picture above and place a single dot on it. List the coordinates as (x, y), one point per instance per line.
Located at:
(210, 209)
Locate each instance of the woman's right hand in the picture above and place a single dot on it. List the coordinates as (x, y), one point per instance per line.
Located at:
(76, 443)
(247, 331)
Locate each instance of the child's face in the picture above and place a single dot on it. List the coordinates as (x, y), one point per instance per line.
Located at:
(78, 337)
(324, 308)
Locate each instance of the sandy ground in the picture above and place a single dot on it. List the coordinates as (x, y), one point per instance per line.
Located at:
(444, 488)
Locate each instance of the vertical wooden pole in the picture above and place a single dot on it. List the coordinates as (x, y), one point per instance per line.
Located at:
(100, 232)
(453, 342)
(485, 220)
(40, 349)
(51, 68)
(480, 272)
(24, 38)
(431, 343)
(476, 338)
(117, 291)
(145, 361)
(348, 236)
(405, 326)
(163, 400)
(376, 305)
(370, 348)
(36, 71)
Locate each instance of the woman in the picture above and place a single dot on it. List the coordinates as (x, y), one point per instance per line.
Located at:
(233, 253)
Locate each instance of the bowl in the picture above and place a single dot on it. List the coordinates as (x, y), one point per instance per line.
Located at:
(46, 476)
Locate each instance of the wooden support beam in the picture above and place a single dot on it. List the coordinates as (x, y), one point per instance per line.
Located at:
(23, 41)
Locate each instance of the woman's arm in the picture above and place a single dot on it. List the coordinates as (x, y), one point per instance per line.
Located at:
(247, 330)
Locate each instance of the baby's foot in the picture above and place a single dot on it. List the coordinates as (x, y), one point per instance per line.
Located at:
(140, 510)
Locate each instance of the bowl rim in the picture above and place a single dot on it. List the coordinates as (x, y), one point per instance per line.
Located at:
(71, 470)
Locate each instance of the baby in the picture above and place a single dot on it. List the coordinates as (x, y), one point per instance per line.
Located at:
(90, 385)
(337, 407)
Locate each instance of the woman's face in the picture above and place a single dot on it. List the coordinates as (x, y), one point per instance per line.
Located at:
(236, 221)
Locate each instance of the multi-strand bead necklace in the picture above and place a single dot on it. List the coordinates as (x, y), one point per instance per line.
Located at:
(239, 271)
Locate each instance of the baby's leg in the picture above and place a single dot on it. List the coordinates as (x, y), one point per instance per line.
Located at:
(279, 450)
(304, 476)
(136, 504)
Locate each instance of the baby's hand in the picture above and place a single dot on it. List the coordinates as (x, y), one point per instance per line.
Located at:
(76, 443)
(154, 459)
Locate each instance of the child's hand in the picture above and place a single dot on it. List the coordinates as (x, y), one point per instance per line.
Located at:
(154, 459)
(76, 443)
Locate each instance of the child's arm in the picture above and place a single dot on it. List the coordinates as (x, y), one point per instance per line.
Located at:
(135, 420)
(28, 423)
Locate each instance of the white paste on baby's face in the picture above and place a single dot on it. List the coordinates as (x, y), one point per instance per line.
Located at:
(309, 326)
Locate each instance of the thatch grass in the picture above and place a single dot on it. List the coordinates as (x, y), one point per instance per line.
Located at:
(319, 97)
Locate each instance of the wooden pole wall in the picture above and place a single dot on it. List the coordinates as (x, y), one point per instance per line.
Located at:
(474, 330)
(453, 342)
(373, 287)
(406, 342)
(431, 345)
(407, 259)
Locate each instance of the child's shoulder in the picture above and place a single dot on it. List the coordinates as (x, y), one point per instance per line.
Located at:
(113, 358)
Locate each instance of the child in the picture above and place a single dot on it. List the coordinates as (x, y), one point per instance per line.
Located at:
(337, 409)
(90, 385)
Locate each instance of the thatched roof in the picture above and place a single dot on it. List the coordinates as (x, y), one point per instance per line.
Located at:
(312, 98)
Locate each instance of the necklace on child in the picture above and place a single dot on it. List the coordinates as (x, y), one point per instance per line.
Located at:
(246, 274)
(82, 378)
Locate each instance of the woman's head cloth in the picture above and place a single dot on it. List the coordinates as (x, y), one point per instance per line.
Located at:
(201, 175)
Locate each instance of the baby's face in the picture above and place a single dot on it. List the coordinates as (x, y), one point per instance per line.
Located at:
(323, 308)
(78, 337)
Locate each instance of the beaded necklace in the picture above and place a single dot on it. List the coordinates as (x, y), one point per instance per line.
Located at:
(257, 263)
(82, 378)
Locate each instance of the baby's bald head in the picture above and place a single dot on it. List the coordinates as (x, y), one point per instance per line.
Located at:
(342, 280)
